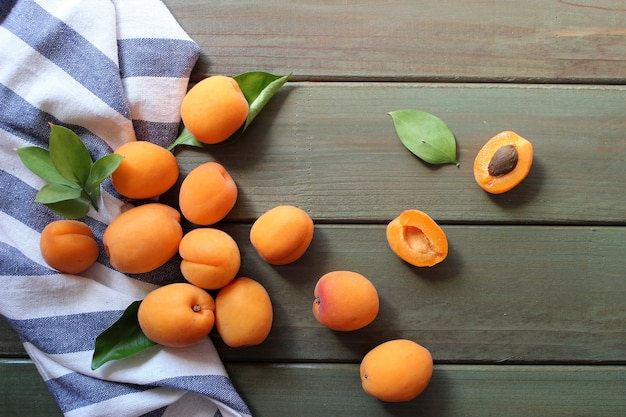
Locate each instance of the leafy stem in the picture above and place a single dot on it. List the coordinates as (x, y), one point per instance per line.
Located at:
(73, 178)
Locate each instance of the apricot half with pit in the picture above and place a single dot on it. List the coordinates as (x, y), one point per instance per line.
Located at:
(503, 162)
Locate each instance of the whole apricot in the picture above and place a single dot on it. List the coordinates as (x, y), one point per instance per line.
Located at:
(207, 194)
(211, 258)
(68, 246)
(177, 315)
(345, 300)
(503, 162)
(147, 170)
(282, 234)
(417, 239)
(243, 313)
(143, 238)
(397, 370)
(214, 109)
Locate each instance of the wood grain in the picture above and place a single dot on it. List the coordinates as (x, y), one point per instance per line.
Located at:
(331, 149)
(334, 389)
(447, 40)
(505, 294)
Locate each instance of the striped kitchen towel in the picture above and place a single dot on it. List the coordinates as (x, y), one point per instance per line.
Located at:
(113, 71)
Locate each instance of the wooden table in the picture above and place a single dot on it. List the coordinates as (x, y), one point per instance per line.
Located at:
(527, 315)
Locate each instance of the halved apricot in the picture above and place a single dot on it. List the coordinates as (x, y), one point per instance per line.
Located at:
(503, 162)
(417, 239)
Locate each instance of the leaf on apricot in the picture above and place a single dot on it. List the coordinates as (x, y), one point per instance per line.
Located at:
(426, 136)
(122, 339)
(258, 88)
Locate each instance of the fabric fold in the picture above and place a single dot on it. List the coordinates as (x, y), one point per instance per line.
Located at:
(113, 72)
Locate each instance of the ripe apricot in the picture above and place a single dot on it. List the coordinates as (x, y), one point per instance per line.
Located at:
(68, 246)
(214, 109)
(243, 313)
(503, 162)
(211, 258)
(207, 194)
(345, 300)
(417, 239)
(282, 234)
(396, 370)
(143, 238)
(147, 170)
(177, 315)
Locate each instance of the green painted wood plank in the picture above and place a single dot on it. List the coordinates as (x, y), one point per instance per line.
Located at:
(331, 149)
(534, 40)
(334, 389)
(23, 391)
(519, 294)
(455, 390)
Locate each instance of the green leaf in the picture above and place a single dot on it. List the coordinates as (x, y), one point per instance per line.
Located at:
(71, 209)
(258, 88)
(38, 161)
(122, 339)
(69, 154)
(54, 193)
(426, 136)
(101, 169)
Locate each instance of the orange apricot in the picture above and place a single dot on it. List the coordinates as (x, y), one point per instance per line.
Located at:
(243, 313)
(147, 170)
(417, 239)
(282, 234)
(396, 370)
(345, 300)
(503, 162)
(143, 238)
(177, 315)
(214, 109)
(68, 246)
(207, 194)
(211, 258)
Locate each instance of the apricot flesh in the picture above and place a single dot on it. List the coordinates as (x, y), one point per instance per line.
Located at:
(143, 238)
(207, 194)
(243, 313)
(147, 170)
(211, 258)
(214, 109)
(68, 246)
(345, 301)
(417, 239)
(396, 370)
(177, 315)
(282, 234)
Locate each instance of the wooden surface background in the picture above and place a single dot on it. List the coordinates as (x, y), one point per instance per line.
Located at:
(527, 315)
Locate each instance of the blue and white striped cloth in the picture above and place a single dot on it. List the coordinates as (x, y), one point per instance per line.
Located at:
(113, 71)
